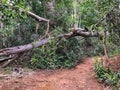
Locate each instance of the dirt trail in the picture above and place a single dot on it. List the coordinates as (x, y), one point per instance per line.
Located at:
(79, 78)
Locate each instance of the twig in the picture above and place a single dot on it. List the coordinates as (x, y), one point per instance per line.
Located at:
(37, 27)
(9, 61)
(47, 31)
(99, 21)
(6, 58)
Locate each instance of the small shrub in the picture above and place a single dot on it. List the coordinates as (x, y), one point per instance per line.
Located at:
(51, 56)
(44, 57)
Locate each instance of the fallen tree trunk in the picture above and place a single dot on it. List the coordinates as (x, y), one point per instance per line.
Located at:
(23, 48)
(15, 51)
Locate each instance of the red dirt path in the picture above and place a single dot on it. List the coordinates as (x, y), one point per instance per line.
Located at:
(81, 77)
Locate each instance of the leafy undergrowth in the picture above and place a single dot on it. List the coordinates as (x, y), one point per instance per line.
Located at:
(109, 76)
(57, 54)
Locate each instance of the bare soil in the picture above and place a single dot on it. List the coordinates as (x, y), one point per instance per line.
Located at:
(114, 63)
(82, 77)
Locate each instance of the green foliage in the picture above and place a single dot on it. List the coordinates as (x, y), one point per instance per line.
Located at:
(106, 76)
(44, 57)
(110, 9)
(13, 36)
(98, 50)
(64, 52)
(58, 53)
(10, 10)
(113, 49)
(89, 14)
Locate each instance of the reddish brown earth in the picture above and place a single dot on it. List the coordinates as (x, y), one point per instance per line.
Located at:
(114, 63)
(81, 77)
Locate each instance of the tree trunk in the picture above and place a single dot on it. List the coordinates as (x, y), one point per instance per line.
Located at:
(105, 62)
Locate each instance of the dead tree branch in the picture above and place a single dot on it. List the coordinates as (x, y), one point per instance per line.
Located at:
(9, 61)
(38, 18)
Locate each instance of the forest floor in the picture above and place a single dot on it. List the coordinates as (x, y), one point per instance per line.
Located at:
(81, 77)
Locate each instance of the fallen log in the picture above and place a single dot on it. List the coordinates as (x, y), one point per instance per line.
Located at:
(16, 51)
(23, 48)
